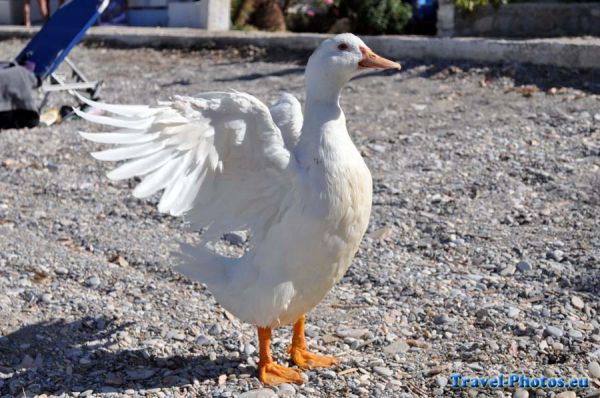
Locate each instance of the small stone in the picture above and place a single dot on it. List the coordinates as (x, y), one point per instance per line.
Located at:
(566, 394)
(93, 281)
(353, 333)
(594, 368)
(237, 238)
(140, 374)
(558, 346)
(113, 379)
(383, 371)
(577, 302)
(377, 148)
(175, 335)
(418, 107)
(382, 233)
(437, 198)
(436, 370)
(553, 331)
(203, 340)
(523, 266)
(441, 319)
(396, 347)
(513, 312)
(556, 255)
(222, 379)
(329, 338)
(259, 393)
(61, 271)
(286, 390)
(27, 362)
(215, 329)
(46, 298)
(441, 381)
(508, 270)
(575, 334)
(519, 393)
(249, 349)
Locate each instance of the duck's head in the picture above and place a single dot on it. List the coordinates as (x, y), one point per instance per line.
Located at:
(339, 59)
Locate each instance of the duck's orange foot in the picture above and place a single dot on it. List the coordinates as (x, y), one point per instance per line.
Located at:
(273, 374)
(307, 360)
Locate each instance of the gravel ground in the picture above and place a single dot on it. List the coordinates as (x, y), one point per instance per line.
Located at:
(482, 256)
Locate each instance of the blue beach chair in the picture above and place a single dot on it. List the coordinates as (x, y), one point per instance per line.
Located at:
(51, 45)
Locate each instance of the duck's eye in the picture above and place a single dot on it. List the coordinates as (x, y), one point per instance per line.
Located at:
(343, 47)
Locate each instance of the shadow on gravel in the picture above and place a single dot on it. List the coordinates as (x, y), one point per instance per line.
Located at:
(57, 356)
(544, 77)
(256, 76)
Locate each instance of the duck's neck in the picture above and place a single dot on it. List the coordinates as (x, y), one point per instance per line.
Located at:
(322, 112)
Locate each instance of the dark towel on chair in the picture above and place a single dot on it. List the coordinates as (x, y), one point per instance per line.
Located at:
(17, 106)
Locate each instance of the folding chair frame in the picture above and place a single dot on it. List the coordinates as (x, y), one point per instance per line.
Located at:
(57, 83)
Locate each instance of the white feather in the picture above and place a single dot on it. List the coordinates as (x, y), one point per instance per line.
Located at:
(143, 123)
(131, 137)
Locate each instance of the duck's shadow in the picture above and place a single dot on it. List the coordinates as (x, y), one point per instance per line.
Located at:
(57, 356)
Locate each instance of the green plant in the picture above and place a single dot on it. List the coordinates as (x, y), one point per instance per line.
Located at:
(471, 5)
(377, 16)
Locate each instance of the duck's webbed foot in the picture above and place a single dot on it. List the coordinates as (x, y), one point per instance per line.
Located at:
(269, 372)
(300, 355)
(273, 374)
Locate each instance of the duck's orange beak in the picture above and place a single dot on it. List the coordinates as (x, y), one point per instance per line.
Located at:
(374, 61)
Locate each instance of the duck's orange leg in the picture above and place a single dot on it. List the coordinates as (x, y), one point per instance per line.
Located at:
(268, 371)
(300, 354)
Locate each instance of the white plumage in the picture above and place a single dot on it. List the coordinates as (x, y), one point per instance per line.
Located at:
(228, 162)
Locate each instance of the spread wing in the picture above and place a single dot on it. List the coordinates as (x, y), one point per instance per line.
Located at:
(219, 158)
(287, 114)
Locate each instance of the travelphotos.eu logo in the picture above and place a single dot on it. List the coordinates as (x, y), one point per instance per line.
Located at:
(517, 381)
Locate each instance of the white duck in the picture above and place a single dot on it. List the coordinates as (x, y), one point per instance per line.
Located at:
(227, 162)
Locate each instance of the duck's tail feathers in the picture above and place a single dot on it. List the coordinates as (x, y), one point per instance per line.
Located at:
(202, 264)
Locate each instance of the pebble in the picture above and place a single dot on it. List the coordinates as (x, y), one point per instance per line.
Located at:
(383, 371)
(215, 329)
(46, 298)
(553, 331)
(175, 335)
(513, 312)
(258, 393)
(349, 332)
(441, 319)
(396, 347)
(523, 266)
(249, 349)
(237, 238)
(203, 340)
(575, 334)
(61, 271)
(577, 302)
(93, 281)
(594, 368)
(508, 270)
(566, 394)
(556, 255)
(140, 374)
(441, 381)
(520, 393)
(286, 390)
